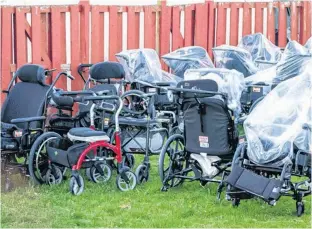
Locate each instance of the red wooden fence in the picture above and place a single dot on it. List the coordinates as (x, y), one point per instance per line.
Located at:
(37, 34)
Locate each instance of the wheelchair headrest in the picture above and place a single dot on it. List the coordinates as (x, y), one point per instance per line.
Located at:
(107, 70)
(31, 73)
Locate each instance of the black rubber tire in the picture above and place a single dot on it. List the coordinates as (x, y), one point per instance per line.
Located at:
(119, 179)
(32, 153)
(163, 154)
(300, 208)
(142, 173)
(94, 170)
(73, 183)
(55, 181)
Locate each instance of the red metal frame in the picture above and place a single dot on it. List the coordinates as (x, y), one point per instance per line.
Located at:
(93, 147)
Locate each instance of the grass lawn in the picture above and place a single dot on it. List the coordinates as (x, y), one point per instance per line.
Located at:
(103, 205)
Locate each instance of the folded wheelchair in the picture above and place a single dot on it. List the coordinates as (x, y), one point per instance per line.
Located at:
(23, 116)
(275, 160)
(210, 135)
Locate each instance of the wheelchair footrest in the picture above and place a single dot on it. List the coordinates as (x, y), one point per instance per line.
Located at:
(246, 180)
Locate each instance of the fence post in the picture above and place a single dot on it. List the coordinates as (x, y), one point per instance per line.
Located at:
(165, 26)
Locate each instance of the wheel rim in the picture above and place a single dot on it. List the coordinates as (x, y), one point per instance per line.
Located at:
(142, 174)
(123, 186)
(98, 177)
(41, 160)
(173, 152)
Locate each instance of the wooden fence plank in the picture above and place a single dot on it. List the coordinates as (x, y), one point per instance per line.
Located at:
(177, 39)
(271, 22)
(282, 27)
(234, 24)
(6, 50)
(165, 26)
(20, 39)
(201, 25)
(97, 34)
(211, 28)
(149, 28)
(294, 22)
(246, 19)
(133, 32)
(188, 26)
(36, 30)
(258, 18)
(113, 45)
(221, 25)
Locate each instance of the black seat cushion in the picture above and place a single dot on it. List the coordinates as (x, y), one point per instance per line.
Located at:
(24, 100)
(85, 132)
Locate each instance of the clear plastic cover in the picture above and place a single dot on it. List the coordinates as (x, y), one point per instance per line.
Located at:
(275, 125)
(191, 57)
(263, 52)
(294, 60)
(144, 65)
(232, 57)
(308, 45)
(230, 82)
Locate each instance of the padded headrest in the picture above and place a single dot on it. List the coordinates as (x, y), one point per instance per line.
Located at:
(31, 73)
(107, 70)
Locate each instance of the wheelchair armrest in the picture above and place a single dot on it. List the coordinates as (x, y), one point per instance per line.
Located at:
(29, 119)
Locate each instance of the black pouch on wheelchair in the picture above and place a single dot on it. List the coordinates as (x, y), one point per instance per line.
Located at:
(206, 126)
(246, 180)
(57, 151)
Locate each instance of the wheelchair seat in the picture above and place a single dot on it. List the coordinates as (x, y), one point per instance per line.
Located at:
(85, 134)
(136, 121)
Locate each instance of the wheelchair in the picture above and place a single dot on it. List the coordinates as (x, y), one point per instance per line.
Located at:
(293, 62)
(277, 147)
(60, 123)
(263, 52)
(192, 57)
(210, 136)
(83, 148)
(23, 120)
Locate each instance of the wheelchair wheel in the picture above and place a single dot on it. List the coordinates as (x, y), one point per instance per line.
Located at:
(142, 174)
(56, 178)
(38, 157)
(123, 185)
(299, 208)
(171, 160)
(96, 176)
(76, 188)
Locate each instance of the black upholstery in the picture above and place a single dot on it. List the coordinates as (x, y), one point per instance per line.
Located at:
(24, 100)
(107, 70)
(85, 132)
(31, 73)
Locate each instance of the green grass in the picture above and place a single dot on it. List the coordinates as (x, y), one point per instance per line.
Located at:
(105, 206)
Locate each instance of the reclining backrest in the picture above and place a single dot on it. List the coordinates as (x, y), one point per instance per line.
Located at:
(206, 123)
(26, 98)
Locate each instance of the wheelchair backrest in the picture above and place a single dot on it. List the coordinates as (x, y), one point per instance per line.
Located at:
(27, 98)
(208, 124)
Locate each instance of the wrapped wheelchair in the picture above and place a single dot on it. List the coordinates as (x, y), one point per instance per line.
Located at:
(278, 146)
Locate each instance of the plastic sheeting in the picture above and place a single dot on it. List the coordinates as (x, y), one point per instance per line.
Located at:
(191, 57)
(232, 57)
(263, 52)
(144, 65)
(275, 125)
(230, 82)
(293, 62)
(308, 45)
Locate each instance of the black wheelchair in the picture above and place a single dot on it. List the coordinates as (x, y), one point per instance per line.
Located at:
(206, 147)
(23, 116)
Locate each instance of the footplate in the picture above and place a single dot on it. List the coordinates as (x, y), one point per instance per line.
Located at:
(246, 180)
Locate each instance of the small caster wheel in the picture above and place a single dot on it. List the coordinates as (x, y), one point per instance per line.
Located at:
(129, 161)
(203, 183)
(142, 174)
(54, 179)
(300, 208)
(164, 189)
(235, 202)
(126, 186)
(96, 176)
(74, 186)
(88, 173)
